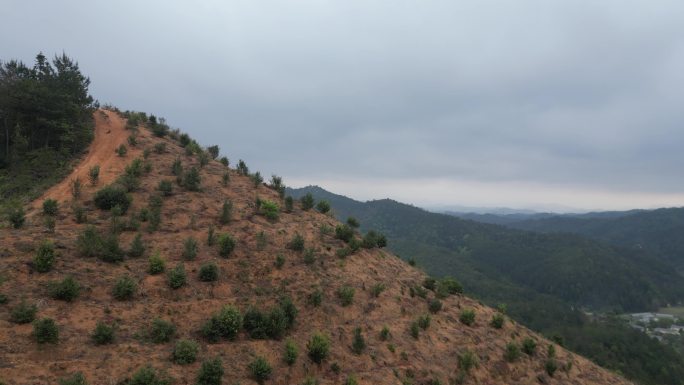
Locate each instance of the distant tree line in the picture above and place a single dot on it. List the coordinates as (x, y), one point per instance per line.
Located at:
(46, 106)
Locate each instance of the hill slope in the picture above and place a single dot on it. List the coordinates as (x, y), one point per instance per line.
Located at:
(248, 276)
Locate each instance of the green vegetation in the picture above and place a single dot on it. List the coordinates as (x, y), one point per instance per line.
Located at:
(424, 321)
(94, 175)
(149, 376)
(512, 352)
(435, 305)
(291, 352)
(44, 258)
(210, 373)
(226, 212)
(344, 232)
(224, 324)
(113, 196)
(307, 202)
(137, 248)
(260, 369)
(121, 150)
(23, 313)
(103, 334)
(208, 272)
(467, 361)
(318, 347)
(497, 321)
(323, 206)
(226, 245)
(257, 179)
(278, 185)
(192, 179)
(124, 289)
(16, 217)
(165, 187)
(156, 264)
(270, 210)
(66, 290)
(177, 277)
(45, 331)
(529, 346)
(358, 342)
(242, 168)
(190, 247)
(50, 207)
(161, 331)
(467, 317)
(289, 204)
(185, 352)
(346, 295)
(75, 379)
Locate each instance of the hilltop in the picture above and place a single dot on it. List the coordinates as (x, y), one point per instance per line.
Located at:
(282, 268)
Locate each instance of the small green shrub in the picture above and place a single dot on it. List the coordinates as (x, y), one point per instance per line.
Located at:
(208, 272)
(435, 305)
(344, 232)
(351, 380)
(346, 295)
(44, 259)
(3, 299)
(203, 158)
(94, 175)
(224, 324)
(316, 298)
(112, 196)
(165, 187)
(110, 250)
(190, 247)
(512, 352)
(137, 248)
(156, 264)
(176, 277)
(529, 346)
(242, 168)
(358, 342)
(149, 376)
(80, 215)
(121, 150)
(498, 320)
(50, 207)
(192, 180)
(297, 243)
(309, 256)
(385, 333)
(132, 140)
(23, 313)
(257, 179)
(289, 204)
(124, 289)
(467, 317)
(377, 289)
(260, 369)
(551, 366)
(226, 245)
(447, 286)
(291, 352)
(161, 331)
(45, 331)
(318, 347)
(467, 361)
(323, 206)
(270, 210)
(103, 334)
(160, 148)
(185, 352)
(307, 202)
(226, 212)
(65, 290)
(75, 379)
(16, 217)
(210, 373)
(424, 321)
(279, 261)
(177, 168)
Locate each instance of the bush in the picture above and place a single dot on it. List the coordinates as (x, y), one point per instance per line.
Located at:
(316, 298)
(260, 369)
(226, 212)
(45, 331)
(430, 283)
(156, 264)
(103, 334)
(203, 158)
(225, 178)
(185, 352)
(344, 232)
(424, 321)
(50, 207)
(291, 352)
(323, 206)
(177, 168)
(124, 289)
(270, 210)
(529, 346)
(358, 343)
(210, 373)
(242, 168)
(177, 277)
(224, 324)
(148, 376)
(94, 175)
(226, 245)
(75, 379)
(414, 329)
(497, 321)
(371, 240)
(551, 366)
(512, 352)
(80, 214)
(346, 295)
(351, 380)
(89, 243)
(165, 187)
(377, 289)
(16, 217)
(23, 313)
(307, 201)
(280, 261)
(467, 317)
(385, 333)
(208, 272)
(297, 243)
(448, 286)
(224, 161)
(435, 305)
(190, 249)
(121, 150)
(110, 251)
(467, 361)
(66, 290)
(112, 196)
(289, 204)
(160, 148)
(45, 257)
(318, 347)
(353, 222)
(192, 179)
(161, 331)
(137, 248)
(309, 257)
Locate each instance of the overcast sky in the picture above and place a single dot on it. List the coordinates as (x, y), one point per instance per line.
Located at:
(527, 104)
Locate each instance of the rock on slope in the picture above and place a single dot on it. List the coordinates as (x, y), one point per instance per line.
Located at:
(248, 277)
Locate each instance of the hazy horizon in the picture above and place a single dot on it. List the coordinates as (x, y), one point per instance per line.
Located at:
(530, 104)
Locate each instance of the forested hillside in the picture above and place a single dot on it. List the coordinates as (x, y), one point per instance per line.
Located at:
(543, 279)
(45, 120)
